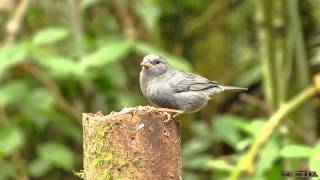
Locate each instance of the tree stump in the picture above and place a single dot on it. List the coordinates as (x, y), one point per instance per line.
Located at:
(134, 144)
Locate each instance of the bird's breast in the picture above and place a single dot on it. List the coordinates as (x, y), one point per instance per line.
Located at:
(160, 94)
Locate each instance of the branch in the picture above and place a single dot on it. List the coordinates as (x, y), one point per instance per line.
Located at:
(76, 25)
(13, 25)
(204, 18)
(246, 161)
(125, 19)
(264, 40)
(12, 28)
(53, 88)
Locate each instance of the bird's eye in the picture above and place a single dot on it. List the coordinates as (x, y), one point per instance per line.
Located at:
(157, 61)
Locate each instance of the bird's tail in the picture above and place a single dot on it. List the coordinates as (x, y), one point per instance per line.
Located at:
(233, 89)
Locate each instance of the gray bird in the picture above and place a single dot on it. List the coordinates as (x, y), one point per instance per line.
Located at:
(174, 90)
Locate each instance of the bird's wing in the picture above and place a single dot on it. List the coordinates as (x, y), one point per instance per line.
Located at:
(183, 82)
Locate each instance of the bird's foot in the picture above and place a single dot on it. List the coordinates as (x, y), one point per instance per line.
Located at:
(168, 117)
(176, 115)
(168, 111)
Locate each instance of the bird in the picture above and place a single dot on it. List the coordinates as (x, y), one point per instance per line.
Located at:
(175, 91)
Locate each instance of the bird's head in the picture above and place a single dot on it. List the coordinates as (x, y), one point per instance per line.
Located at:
(154, 65)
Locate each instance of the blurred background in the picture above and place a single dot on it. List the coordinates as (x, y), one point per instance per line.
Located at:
(61, 58)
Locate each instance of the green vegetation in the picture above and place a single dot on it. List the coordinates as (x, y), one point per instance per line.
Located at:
(61, 58)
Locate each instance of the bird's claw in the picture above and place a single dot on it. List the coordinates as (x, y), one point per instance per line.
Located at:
(168, 117)
(176, 115)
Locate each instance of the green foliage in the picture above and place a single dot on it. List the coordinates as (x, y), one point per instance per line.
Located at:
(296, 151)
(314, 160)
(88, 52)
(230, 130)
(55, 65)
(267, 158)
(149, 13)
(56, 154)
(39, 167)
(11, 55)
(315, 60)
(12, 92)
(230, 124)
(11, 139)
(7, 170)
(107, 53)
(49, 35)
(88, 3)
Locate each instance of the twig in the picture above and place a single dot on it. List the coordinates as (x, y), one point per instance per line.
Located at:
(76, 25)
(278, 44)
(246, 161)
(264, 52)
(303, 75)
(7, 5)
(13, 25)
(12, 28)
(125, 20)
(203, 19)
(53, 88)
(255, 101)
(20, 162)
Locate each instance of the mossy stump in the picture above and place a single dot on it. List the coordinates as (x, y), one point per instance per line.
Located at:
(134, 144)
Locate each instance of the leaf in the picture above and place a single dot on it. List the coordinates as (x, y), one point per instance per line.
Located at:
(50, 35)
(195, 146)
(315, 60)
(39, 167)
(61, 66)
(66, 126)
(189, 175)
(199, 162)
(227, 129)
(243, 144)
(314, 163)
(108, 53)
(297, 151)
(56, 65)
(116, 68)
(148, 12)
(57, 154)
(314, 160)
(12, 91)
(201, 129)
(255, 127)
(220, 165)
(10, 140)
(268, 155)
(37, 114)
(8, 170)
(11, 55)
(87, 3)
(42, 96)
(177, 62)
(249, 76)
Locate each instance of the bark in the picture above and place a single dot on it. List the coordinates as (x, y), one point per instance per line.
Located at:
(131, 144)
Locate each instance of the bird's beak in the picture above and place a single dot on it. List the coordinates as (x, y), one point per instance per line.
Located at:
(146, 64)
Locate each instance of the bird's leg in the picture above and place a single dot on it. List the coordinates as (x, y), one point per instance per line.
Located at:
(167, 110)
